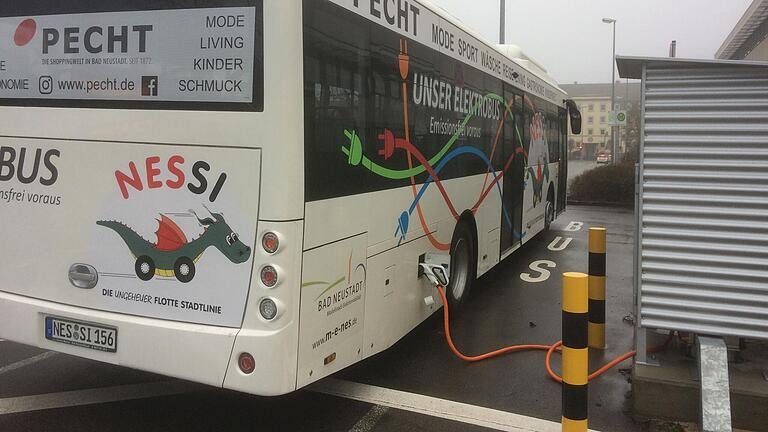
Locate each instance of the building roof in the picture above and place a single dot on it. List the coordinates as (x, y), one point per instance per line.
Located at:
(632, 67)
(751, 29)
(602, 90)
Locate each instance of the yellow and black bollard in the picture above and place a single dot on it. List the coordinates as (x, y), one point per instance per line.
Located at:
(597, 250)
(575, 352)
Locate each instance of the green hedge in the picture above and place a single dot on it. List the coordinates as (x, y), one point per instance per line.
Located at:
(605, 184)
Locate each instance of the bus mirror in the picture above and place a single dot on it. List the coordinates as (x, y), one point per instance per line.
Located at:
(575, 116)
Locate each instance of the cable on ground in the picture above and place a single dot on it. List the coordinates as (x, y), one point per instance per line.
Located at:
(550, 349)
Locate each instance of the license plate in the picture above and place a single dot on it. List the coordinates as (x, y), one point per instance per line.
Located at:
(86, 335)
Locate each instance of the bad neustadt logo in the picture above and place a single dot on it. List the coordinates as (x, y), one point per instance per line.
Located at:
(345, 290)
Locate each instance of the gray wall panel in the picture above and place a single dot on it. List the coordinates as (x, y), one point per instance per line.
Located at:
(704, 207)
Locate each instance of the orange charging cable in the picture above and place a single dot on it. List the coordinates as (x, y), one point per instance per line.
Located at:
(548, 348)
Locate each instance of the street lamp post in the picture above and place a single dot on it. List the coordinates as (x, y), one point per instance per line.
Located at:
(502, 29)
(614, 154)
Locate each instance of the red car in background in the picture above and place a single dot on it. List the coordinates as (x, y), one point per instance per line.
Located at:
(604, 157)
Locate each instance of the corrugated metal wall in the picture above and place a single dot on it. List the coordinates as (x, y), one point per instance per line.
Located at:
(704, 200)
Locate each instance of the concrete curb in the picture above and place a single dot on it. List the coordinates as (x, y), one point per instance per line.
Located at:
(601, 204)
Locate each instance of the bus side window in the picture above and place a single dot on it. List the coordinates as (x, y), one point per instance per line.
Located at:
(527, 119)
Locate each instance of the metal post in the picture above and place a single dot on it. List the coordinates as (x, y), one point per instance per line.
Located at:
(503, 17)
(641, 333)
(597, 271)
(641, 346)
(614, 154)
(627, 103)
(575, 352)
(715, 390)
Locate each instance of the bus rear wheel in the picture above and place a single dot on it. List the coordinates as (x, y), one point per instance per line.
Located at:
(549, 210)
(463, 264)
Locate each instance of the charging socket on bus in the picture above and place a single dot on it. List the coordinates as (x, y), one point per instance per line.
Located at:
(435, 259)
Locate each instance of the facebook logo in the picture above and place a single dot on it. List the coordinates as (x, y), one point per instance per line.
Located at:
(149, 86)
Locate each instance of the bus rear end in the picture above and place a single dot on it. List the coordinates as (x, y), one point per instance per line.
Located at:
(149, 197)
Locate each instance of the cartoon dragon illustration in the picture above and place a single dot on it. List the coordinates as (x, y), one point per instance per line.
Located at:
(173, 255)
(537, 178)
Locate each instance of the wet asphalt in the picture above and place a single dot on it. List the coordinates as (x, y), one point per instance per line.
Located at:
(502, 309)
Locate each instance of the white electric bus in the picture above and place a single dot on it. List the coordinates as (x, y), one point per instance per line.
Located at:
(240, 194)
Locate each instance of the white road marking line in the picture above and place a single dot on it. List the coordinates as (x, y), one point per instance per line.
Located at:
(96, 396)
(370, 419)
(441, 408)
(26, 362)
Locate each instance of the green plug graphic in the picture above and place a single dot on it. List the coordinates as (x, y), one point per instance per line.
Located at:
(355, 148)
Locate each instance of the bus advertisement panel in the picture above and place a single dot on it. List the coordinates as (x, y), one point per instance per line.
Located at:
(149, 57)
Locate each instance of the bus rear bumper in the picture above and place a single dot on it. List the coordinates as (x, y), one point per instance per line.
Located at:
(193, 352)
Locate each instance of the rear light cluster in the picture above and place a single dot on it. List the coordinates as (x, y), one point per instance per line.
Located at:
(247, 363)
(269, 275)
(270, 242)
(268, 309)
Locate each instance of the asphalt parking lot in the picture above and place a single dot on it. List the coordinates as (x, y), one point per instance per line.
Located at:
(416, 385)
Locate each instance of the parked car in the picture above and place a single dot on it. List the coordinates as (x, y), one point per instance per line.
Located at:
(604, 157)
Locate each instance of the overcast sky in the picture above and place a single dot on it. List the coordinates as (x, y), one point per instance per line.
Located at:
(569, 39)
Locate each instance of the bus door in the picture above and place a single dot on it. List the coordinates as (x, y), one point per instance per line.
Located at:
(562, 179)
(513, 163)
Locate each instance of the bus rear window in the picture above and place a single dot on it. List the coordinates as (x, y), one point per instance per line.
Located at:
(141, 54)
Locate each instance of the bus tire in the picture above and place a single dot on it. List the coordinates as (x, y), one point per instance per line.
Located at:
(549, 210)
(463, 263)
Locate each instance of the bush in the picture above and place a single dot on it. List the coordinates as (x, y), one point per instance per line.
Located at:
(605, 184)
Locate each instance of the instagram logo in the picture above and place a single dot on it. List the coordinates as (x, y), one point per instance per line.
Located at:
(46, 84)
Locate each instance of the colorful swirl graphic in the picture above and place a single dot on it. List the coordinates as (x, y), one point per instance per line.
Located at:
(436, 164)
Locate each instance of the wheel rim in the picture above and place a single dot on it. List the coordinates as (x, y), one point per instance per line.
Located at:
(184, 269)
(144, 268)
(460, 267)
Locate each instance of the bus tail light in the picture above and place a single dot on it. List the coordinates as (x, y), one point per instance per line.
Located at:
(270, 242)
(269, 276)
(246, 363)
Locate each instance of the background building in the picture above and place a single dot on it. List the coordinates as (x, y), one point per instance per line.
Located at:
(748, 40)
(594, 101)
